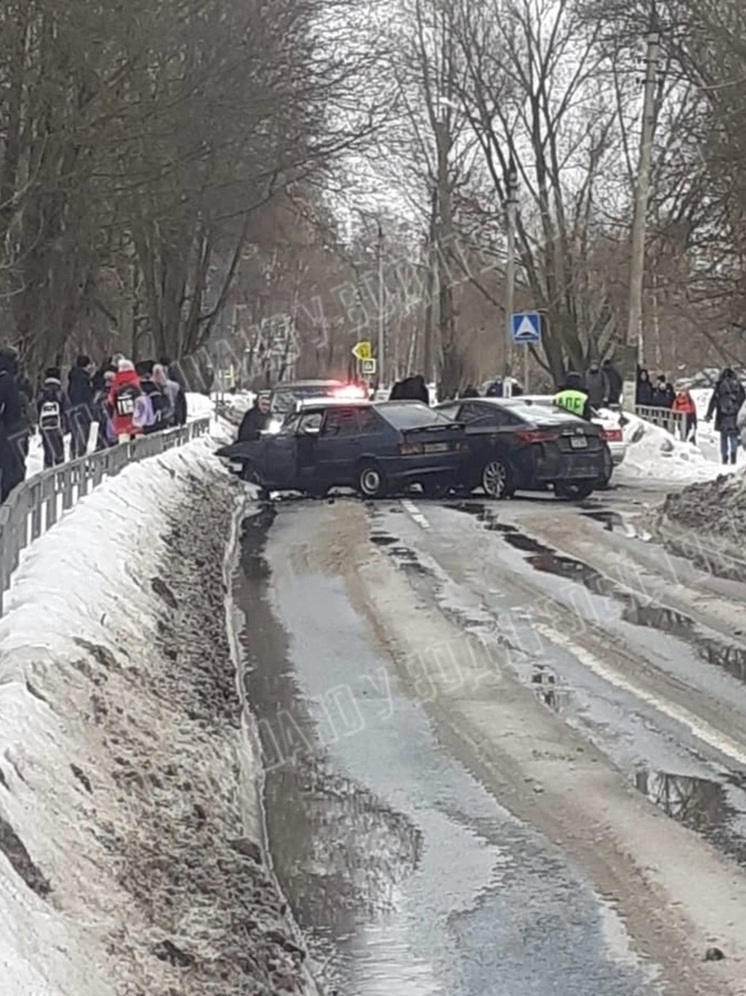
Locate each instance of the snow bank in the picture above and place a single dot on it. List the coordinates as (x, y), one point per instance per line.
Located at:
(123, 861)
(199, 406)
(653, 454)
(81, 584)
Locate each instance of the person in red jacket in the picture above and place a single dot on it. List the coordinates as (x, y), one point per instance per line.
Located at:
(684, 403)
(123, 400)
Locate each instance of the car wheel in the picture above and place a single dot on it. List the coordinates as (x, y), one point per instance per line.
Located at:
(608, 467)
(497, 479)
(574, 492)
(371, 481)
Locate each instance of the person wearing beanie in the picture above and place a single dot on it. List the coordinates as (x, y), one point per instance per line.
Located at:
(80, 394)
(54, 418)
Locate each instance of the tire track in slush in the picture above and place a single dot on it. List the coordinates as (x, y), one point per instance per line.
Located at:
(697, 727)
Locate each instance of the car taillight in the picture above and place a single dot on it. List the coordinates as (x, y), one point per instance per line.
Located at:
(410, 449)
(537, 436)
(612, 435)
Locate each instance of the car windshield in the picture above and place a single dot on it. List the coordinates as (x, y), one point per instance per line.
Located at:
(412, 416)
(283, 401)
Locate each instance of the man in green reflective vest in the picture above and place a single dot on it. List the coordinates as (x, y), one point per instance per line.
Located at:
(573, 397)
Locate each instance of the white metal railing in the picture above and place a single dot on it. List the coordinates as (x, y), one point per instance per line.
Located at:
(673, 422)
(36, 504)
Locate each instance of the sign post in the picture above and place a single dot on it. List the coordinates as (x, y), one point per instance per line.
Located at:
(526, 328)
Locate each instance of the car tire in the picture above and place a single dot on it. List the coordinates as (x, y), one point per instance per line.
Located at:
(574, 492)
(370, 480)
(608, 467)
(497, 479)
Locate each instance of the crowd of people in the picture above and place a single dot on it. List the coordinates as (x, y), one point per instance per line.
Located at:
(100, 406)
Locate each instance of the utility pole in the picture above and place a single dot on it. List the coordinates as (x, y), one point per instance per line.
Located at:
(381, 305)
(635, 339)
(511, 210)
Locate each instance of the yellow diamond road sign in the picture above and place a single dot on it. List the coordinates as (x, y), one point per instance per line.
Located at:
(362, 351)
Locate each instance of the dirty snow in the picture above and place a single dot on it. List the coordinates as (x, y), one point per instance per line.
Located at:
(717, 507)
(124, 865)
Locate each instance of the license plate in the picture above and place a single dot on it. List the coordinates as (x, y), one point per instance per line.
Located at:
(436, 447)
(579, 443)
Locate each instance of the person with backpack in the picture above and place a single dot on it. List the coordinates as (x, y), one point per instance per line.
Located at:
(80, 394)
(158, 400)
(176, 403)
(126, 403)
(726, 401)
(53, 407)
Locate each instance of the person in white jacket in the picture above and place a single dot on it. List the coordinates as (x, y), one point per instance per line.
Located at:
(741, 423)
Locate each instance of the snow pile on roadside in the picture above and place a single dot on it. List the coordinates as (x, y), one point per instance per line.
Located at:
(129, 861)
(198, 406)
(653, 454)
(718, 507)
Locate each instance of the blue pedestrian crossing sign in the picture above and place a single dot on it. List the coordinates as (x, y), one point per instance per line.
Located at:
(527, 328)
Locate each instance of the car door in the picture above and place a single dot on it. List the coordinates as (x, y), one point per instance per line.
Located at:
(277, 464)
(338, 446)
(307, 433)
(490, 431)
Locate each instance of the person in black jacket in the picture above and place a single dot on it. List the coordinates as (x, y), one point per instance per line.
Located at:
(725, 403)
(644, 389)
(410, 389)
(12, 433)
(614, 381)
(255, 420)
(80, 395)
(54, 411)
(663, 393)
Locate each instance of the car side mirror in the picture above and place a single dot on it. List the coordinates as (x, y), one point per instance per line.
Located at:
(311, 430)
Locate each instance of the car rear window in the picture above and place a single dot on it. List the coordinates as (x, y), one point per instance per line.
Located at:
(413, 416)
(546, 412)
(284, 401)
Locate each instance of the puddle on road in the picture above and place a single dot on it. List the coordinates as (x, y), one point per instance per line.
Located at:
(404, 557)
(708, 807)
(634, 610)
(548, 690)
(404, 873)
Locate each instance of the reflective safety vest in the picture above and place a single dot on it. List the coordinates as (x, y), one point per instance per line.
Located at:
(572, 401)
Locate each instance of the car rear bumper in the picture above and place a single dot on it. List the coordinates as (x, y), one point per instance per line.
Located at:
(590, 468)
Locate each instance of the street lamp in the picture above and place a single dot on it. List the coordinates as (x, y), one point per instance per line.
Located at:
(511, 206)
(381, 304)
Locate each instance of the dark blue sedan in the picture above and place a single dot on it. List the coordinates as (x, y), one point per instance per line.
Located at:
(375, 449)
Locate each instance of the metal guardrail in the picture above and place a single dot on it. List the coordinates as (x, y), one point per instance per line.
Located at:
(37, 504)
(673, 422)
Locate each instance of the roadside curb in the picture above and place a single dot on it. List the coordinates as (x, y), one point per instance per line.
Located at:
(251, 754)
